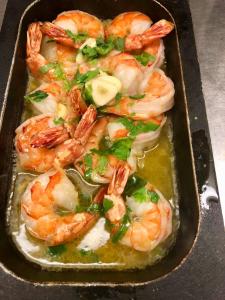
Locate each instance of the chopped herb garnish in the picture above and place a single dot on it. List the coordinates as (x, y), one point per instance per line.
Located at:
(104, 47)
(118, 96)
(137, 127)
(90, 254)
(107, 205)
(87, 94)
(59, 121)
(50, 40)
(119, 43)
(144, 58)
(87, 174)
(122, 229)
(77, 38)
(81, 79)
(154, 196)
(88, 160)
(134, 183)
(94, 208)
(58, 71)
(136, 97)
(57, 250)
(89, 52)
(102, 165)
(144, 195)
(121, 148)
(37, 96)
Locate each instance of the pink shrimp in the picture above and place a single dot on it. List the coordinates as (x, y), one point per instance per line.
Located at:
(39, 204)
(40, 143)
(151, 222)
(73, 23)
(157, 90)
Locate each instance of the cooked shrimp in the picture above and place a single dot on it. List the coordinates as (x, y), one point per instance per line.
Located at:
(151, 222)
(157, 91)
(53, 94)
(71, 23)
(101, 168)
(43, 57)
(128, 23)
(115, 190)
(126, 68)
(38, 159)
(40, 143)
(95, 137)
(145, 133)
(156, 50)
(139, 41)
(52, 98)
(40, 201)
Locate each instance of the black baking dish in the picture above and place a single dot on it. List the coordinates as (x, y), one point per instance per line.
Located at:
(201, 226)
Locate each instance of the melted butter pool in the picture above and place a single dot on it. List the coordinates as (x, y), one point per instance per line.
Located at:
(157, 166)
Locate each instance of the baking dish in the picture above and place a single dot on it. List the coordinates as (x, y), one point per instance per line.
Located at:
(193, 159)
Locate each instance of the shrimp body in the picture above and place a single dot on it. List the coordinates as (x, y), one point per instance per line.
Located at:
(156, 50)
(54, 95)
(151, 223)
(158, 91)
(76, 22)
(126, 68)
(39, 204)
(128, 23)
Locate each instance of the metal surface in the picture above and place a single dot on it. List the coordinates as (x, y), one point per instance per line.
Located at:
(207, 286)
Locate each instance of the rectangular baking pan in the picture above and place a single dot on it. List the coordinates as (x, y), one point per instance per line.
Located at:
(201, 226)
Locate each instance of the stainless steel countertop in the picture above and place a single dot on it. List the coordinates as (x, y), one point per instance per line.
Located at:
(209, 27)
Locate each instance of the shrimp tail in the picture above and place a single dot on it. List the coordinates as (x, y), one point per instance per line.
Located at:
(85, 126)
(50, 137)
(156, 31)
(119, 180)
(76, 101)
(34, 38)
(72, 149)
(58, 34)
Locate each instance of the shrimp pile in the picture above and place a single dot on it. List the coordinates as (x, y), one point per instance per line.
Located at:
(98, 103)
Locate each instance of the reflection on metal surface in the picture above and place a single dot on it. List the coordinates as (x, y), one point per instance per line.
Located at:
(208, 194)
